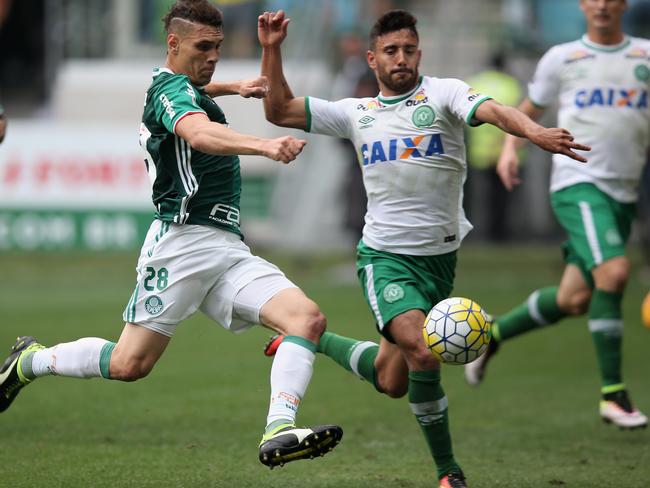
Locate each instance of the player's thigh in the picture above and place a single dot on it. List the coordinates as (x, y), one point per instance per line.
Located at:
(597, 226)
(255, 291)
(396, 284)
(178, 265)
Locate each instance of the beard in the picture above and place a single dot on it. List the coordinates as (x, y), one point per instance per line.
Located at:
(400, 81)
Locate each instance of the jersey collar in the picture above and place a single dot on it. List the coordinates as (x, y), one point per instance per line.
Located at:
(606, 48)
(158, 71)
(398, 98)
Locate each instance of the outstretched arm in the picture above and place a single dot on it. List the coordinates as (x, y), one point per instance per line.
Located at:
(255, 87)
(280, 106)
(518, 123)
(214, 138)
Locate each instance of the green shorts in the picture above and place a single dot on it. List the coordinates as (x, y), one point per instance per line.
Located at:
(396, 283)
(597, 225)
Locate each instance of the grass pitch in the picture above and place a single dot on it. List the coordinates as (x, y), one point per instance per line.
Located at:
(197, 419)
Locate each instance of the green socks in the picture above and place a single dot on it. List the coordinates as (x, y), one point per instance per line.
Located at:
(538, 310)
(429, 405)
(356, 356)
(606, 327)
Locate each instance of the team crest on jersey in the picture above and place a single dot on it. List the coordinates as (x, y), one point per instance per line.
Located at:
(393, 292)
(642, 72)
(153, 305)
(578, 56)
(424, 116)
(637, 53)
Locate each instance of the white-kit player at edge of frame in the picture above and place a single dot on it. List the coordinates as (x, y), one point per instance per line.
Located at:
(411, 150)
(601, 82)
(193, 257)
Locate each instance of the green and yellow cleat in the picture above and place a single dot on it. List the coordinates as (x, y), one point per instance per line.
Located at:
(12, 379)
(288, 443)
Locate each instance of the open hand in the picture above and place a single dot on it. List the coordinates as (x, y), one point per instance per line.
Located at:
(272, 28)
(559, 141)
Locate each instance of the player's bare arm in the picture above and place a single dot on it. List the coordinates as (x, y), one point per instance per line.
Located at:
(518, 124)
(508, 164)
(280, 106)
(256, 87)
(214, 138)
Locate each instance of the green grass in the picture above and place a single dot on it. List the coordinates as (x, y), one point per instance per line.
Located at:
(197, 419)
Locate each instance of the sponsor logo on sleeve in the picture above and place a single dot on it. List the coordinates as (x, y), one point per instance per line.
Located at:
(473, 94)
(168, 104)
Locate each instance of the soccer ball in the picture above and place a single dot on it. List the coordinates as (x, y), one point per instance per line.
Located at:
(645, 311)
(457, 330)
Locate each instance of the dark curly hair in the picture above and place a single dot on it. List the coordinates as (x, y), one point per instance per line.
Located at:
(392, 21)
(199, 11)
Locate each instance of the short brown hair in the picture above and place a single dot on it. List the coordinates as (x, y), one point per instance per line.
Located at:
(392, 21)
(199, 11)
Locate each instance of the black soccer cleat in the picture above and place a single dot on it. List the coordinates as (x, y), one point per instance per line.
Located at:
(11, 378)
(291, 444)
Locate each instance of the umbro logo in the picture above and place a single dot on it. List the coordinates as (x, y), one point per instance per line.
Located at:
(365, 121)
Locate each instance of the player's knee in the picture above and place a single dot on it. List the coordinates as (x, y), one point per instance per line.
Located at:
(130, 370)
(612, 275)
(576, 304)
(309, 322)
(392, 388)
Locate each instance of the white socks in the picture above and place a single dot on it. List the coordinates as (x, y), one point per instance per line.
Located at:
(290, 374)
(78, 359)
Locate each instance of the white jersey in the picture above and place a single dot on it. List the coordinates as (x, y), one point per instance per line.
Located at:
(411, 151)
(603, 96)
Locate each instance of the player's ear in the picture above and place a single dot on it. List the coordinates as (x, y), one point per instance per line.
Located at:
(173, 43)
(370, 57)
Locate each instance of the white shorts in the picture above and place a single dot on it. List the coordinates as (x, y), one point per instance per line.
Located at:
(183, 268)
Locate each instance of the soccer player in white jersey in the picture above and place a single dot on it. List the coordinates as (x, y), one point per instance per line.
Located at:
(194, 257)
(411, 150)
(601, 83)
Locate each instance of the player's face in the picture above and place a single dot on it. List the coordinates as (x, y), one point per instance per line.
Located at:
(395, 61)
(197, 52)
(603, 15)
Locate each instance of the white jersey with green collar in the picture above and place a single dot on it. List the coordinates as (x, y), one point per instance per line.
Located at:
(411, 150)
(603, 97)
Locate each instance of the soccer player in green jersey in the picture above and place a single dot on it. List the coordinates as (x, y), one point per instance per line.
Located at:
(193, 257)
(411, 150)
(601, 82)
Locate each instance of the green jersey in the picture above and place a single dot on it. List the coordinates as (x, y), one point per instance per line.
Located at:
(189, 187)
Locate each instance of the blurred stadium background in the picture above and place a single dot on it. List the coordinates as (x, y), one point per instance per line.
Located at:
(74, 207)
(73, 74)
